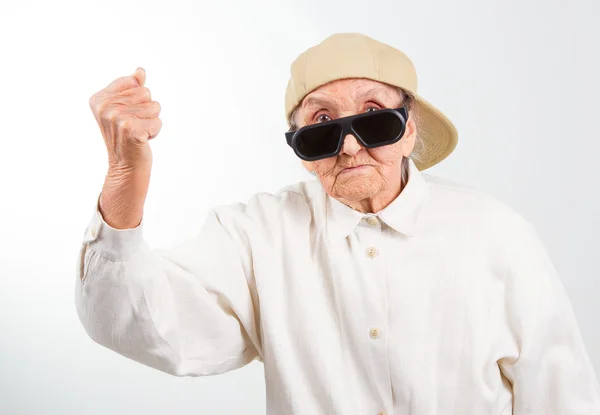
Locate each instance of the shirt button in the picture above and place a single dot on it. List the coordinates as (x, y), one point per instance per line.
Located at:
(372, 221)
(375, 332)
(372, 252)
(93, 231)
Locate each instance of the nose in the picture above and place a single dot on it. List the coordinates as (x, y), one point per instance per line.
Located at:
(351, 146)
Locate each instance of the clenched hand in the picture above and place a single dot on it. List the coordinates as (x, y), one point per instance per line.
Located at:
(128, 119)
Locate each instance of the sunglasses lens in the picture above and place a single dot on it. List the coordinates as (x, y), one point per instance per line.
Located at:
(379, 129)
(318, 141)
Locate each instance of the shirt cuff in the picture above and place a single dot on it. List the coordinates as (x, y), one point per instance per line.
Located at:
(111, 243)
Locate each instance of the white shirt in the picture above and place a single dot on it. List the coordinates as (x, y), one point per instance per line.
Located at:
(443, 303)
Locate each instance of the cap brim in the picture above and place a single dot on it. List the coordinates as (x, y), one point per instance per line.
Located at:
(437, 133)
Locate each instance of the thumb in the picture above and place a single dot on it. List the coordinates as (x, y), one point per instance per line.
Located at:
(140, 76)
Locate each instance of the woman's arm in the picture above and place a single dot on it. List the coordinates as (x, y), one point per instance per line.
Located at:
(552, 373)
(188, 310)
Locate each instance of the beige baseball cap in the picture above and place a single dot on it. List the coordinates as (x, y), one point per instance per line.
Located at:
(353, 55)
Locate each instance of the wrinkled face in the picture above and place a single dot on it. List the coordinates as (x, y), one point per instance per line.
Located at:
(356, 173)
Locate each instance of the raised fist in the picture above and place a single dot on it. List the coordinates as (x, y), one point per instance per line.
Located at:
(128, 118)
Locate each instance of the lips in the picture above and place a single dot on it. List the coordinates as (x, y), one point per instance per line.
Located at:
(347, 169)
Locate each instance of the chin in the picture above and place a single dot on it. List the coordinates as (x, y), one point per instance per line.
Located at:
(356, 191)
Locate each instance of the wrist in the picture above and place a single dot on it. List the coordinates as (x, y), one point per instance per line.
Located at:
(124, 172)
(123, 196)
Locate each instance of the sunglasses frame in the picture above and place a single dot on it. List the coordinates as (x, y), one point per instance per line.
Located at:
(346, 125)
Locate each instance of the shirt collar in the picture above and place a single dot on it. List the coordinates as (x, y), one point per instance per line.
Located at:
(401, 214)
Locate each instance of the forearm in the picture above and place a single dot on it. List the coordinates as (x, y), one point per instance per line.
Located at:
(123, 196)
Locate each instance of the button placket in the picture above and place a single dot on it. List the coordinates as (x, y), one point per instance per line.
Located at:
(373, 237)
(372, 250)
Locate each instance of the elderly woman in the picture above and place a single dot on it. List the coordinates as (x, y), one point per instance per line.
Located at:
(376, 289)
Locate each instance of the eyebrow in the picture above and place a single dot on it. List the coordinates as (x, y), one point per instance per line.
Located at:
(370, 92)
(315, 101)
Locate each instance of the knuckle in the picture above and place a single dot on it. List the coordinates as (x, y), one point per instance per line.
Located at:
(124, 124)
(155, 127)
(97, 104)
(112, 114)
(100, 107)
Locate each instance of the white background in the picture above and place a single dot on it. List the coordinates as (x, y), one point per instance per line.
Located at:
(518, 78)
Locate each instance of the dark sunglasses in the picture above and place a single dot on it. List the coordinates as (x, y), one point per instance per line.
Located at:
(372, 129)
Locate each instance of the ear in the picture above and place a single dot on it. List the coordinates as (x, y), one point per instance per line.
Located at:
(410, 136)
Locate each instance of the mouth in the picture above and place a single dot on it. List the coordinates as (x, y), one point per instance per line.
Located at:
(355, 168)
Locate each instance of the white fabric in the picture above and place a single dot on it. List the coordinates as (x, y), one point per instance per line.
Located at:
(447, 303)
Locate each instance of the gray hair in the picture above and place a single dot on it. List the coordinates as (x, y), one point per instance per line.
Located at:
(408, 99)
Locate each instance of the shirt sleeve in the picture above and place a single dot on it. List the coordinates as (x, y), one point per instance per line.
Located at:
(188, 310)
(550, 372)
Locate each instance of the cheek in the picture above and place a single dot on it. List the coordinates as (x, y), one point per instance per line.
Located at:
(387, 154)
(325, 166)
